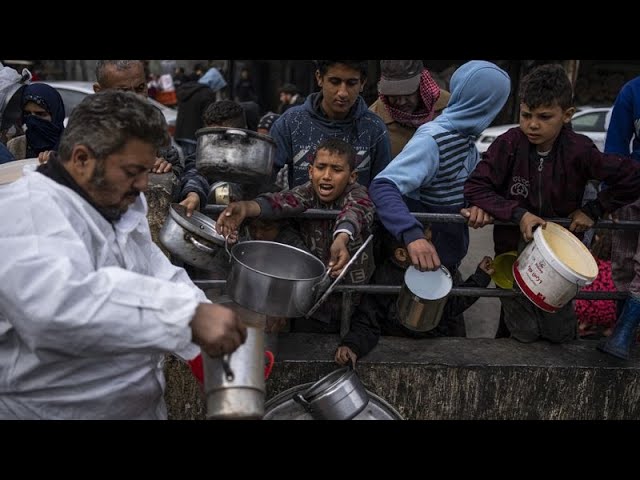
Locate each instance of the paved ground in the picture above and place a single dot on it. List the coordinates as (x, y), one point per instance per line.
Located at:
(481, 318)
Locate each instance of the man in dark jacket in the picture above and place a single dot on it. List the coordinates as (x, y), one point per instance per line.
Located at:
(193, 99)
(289, 97)
(539, 170)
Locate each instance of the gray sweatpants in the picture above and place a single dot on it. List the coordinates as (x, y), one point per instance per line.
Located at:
(527, 323)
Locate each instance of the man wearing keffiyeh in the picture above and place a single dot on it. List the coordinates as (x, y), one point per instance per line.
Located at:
(408, 98)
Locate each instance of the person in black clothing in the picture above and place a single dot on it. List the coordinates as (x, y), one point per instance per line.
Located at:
(289, 97)
(245, 92)
(193, 99)
(381, 312)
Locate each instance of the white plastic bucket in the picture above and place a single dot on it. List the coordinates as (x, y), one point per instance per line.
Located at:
(553, 267)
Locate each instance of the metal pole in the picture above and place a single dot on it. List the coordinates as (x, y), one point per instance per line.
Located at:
(314, 213)
(456, 291)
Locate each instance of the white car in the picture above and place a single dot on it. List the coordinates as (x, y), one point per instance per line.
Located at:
(73, 93)
(590, 121)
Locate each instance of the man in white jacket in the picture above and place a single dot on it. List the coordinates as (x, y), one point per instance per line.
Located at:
(89, 305)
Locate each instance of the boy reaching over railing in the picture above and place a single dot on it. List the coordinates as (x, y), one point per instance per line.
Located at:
(332, 186)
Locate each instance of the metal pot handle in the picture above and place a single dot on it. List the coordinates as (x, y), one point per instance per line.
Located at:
(324, 277)
(226, 366)
(446, 271)
(351, 364)
(326, 293)
(298, 398)
(200, 246)
(239, 133)
(226, 247)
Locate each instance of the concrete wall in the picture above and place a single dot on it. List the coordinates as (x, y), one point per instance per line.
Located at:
(476, 379)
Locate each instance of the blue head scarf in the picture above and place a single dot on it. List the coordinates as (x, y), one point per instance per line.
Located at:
(213, 79)
(41, 134)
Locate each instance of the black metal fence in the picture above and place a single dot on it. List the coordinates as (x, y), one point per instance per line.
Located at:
(214, 210)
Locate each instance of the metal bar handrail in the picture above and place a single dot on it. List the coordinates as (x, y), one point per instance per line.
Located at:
(314, 213)
(456, 291)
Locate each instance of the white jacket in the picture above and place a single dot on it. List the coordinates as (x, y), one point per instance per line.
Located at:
(87, 309)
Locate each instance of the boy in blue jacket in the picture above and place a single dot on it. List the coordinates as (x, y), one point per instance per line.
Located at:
(433, 166)
(624, 130)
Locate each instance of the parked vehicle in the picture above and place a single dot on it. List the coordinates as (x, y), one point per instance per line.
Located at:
(590, 121)
(73, 92)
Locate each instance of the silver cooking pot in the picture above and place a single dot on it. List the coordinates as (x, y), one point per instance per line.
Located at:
(234, 384)
(194, 240)
(337, 396)
(274, 278)
(234, 155)
(423, 297)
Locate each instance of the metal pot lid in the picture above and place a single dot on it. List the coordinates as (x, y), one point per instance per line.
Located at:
(284, 407)
(428, 285)
(198, 224)
(240, 132)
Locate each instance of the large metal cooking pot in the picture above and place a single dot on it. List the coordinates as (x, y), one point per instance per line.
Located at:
(194, 240)
(423, 297)
(234, 384)
(274, 278)
(337, 396)
(234, 155)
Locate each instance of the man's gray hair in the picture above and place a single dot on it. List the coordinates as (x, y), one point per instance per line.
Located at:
(104, 122)
(101, 65)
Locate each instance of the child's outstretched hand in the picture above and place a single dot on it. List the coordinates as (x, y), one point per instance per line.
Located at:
(344, 355)
(527, 224)
(339, 254)
(476, 217)
(580, 221)
(486, 265)
(191, 202)
(232, 217)
(275, 324)
(161, 166)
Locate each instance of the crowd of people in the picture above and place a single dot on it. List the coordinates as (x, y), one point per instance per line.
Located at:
(94, 304)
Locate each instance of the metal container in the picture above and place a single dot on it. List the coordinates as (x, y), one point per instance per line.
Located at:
(337, 396)
(423, 297)
(234, 155)
(234, 384)
(193, 240)
(219, 194)
(274, 278)
(284, 407)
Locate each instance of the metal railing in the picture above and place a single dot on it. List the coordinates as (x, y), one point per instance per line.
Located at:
(214, 210)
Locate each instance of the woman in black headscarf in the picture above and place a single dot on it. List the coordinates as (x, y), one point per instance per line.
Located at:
(43, 115)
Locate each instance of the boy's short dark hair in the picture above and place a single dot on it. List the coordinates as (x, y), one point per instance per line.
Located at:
(361, 65)
(335, 145)
(288, 88)
(547, 85)
(225, 113)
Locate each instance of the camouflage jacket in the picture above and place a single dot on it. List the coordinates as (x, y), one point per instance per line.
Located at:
(356, 217)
